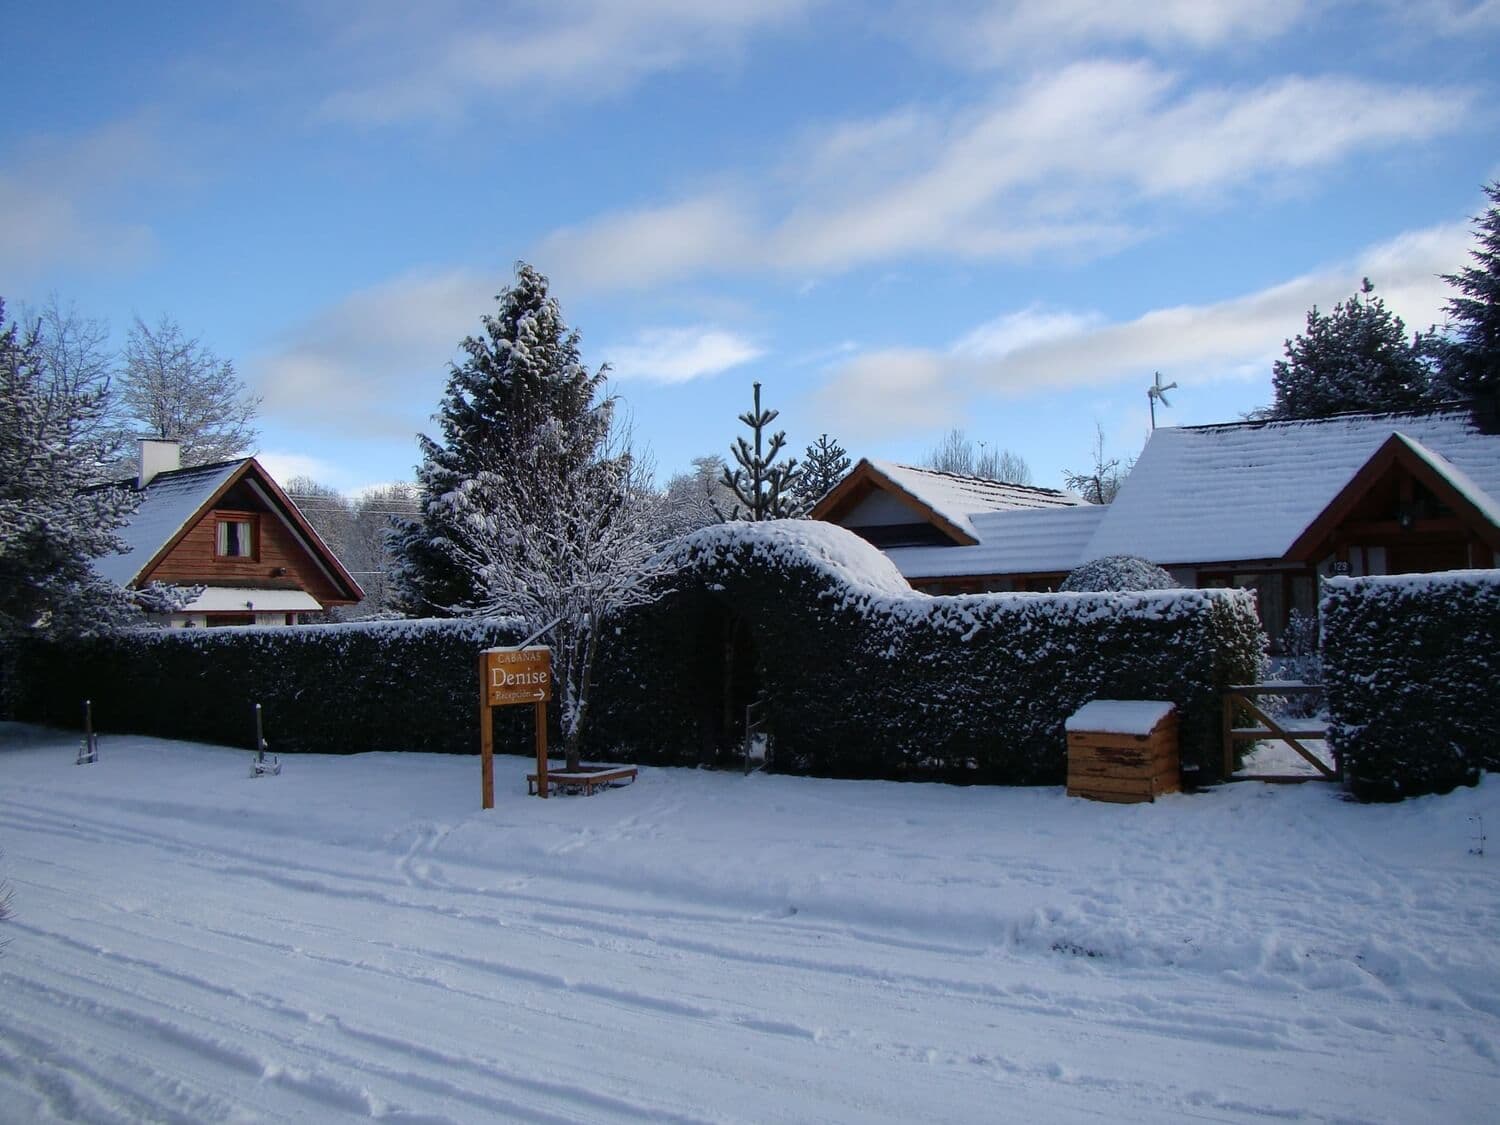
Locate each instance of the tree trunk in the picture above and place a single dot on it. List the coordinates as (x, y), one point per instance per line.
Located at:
(585, 679)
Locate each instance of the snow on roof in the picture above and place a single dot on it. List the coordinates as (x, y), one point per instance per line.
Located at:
(168, 502)
(1119, 716)
(1464, 484)
(217, 599)
(1026, 541)
(958, 498)
(1248, 490)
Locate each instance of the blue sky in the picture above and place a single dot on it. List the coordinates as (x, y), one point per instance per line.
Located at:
(899, 218)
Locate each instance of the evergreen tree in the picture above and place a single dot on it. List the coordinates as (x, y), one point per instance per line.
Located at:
(521, 387)
(52, 525)
(762, 489)
(1357, 357)
(824, 466)
(1470, 356)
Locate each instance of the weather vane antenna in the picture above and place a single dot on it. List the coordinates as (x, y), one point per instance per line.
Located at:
(1158, 393)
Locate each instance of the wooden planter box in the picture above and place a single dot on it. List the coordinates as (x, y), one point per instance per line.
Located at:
(1123, 751)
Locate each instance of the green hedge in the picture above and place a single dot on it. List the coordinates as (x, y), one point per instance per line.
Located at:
(864, 677)
(867, 679)
(1412, 664)
(395, 685)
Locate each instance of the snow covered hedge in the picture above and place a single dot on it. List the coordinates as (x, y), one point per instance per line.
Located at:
(867, 678)
(390, 685)
(1412, 664)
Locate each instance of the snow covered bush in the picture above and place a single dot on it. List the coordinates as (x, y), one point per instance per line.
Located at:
(863, 676)
(867, 678)
(1301, 660)
(333, 689)
(1412, 664)
(1116, 573)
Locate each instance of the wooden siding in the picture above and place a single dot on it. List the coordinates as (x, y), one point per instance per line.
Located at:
(193, 560)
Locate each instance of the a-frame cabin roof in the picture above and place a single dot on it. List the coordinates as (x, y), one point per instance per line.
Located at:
(1450, 484)
(1249, 490)
(948, 501)
(173, 502)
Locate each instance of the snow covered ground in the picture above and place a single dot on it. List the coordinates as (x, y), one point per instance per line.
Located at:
(356, 939)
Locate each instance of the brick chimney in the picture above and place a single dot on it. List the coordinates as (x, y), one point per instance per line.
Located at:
(157, 457)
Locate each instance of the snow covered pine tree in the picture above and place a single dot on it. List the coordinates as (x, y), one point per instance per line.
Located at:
(520, 374)
(1471, 355)
(52, 523)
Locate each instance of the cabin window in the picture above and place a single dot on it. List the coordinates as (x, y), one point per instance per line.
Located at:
(235, 537)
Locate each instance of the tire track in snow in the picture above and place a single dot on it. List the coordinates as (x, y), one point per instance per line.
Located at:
(320, 1088)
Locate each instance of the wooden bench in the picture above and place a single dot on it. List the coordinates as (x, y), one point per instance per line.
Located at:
(585, 779)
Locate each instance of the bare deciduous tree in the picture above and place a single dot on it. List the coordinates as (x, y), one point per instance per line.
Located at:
(1099, 484)
(564, 543)
(695, 499)
(956, 453)
(359, 530)
(175, 387)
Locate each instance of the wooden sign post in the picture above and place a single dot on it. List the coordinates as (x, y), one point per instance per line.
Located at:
(507, 676)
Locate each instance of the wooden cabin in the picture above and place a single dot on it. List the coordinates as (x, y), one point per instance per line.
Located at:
(955, 534)
(1272, 506)
(230, 529)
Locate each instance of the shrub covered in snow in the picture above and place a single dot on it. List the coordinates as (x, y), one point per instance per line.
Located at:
(1412, 664)
(864, 677)
(347, 688)
(1116, 573)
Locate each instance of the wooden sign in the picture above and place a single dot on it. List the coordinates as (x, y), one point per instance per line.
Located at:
(506, 676)
(518, 675)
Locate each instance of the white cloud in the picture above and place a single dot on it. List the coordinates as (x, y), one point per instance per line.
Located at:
(891, 392)
(1445, 17)
(283, 466)
(997, 32)
(369, 357)
(1076, 162)
(1027, 327)
(1035, 351)
(58, 204)
(678, 355)
(405, 68)
(641, 248)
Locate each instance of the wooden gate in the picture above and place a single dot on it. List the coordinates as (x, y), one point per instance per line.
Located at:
(1242, 699)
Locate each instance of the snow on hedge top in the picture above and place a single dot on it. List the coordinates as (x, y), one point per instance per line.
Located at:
(168, 502)
(1119, 716)
(957, 498)
(1246, 491)
(834, 550)
(1406, 582)
(872, 583)
(481, 630)
(1038, 541)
